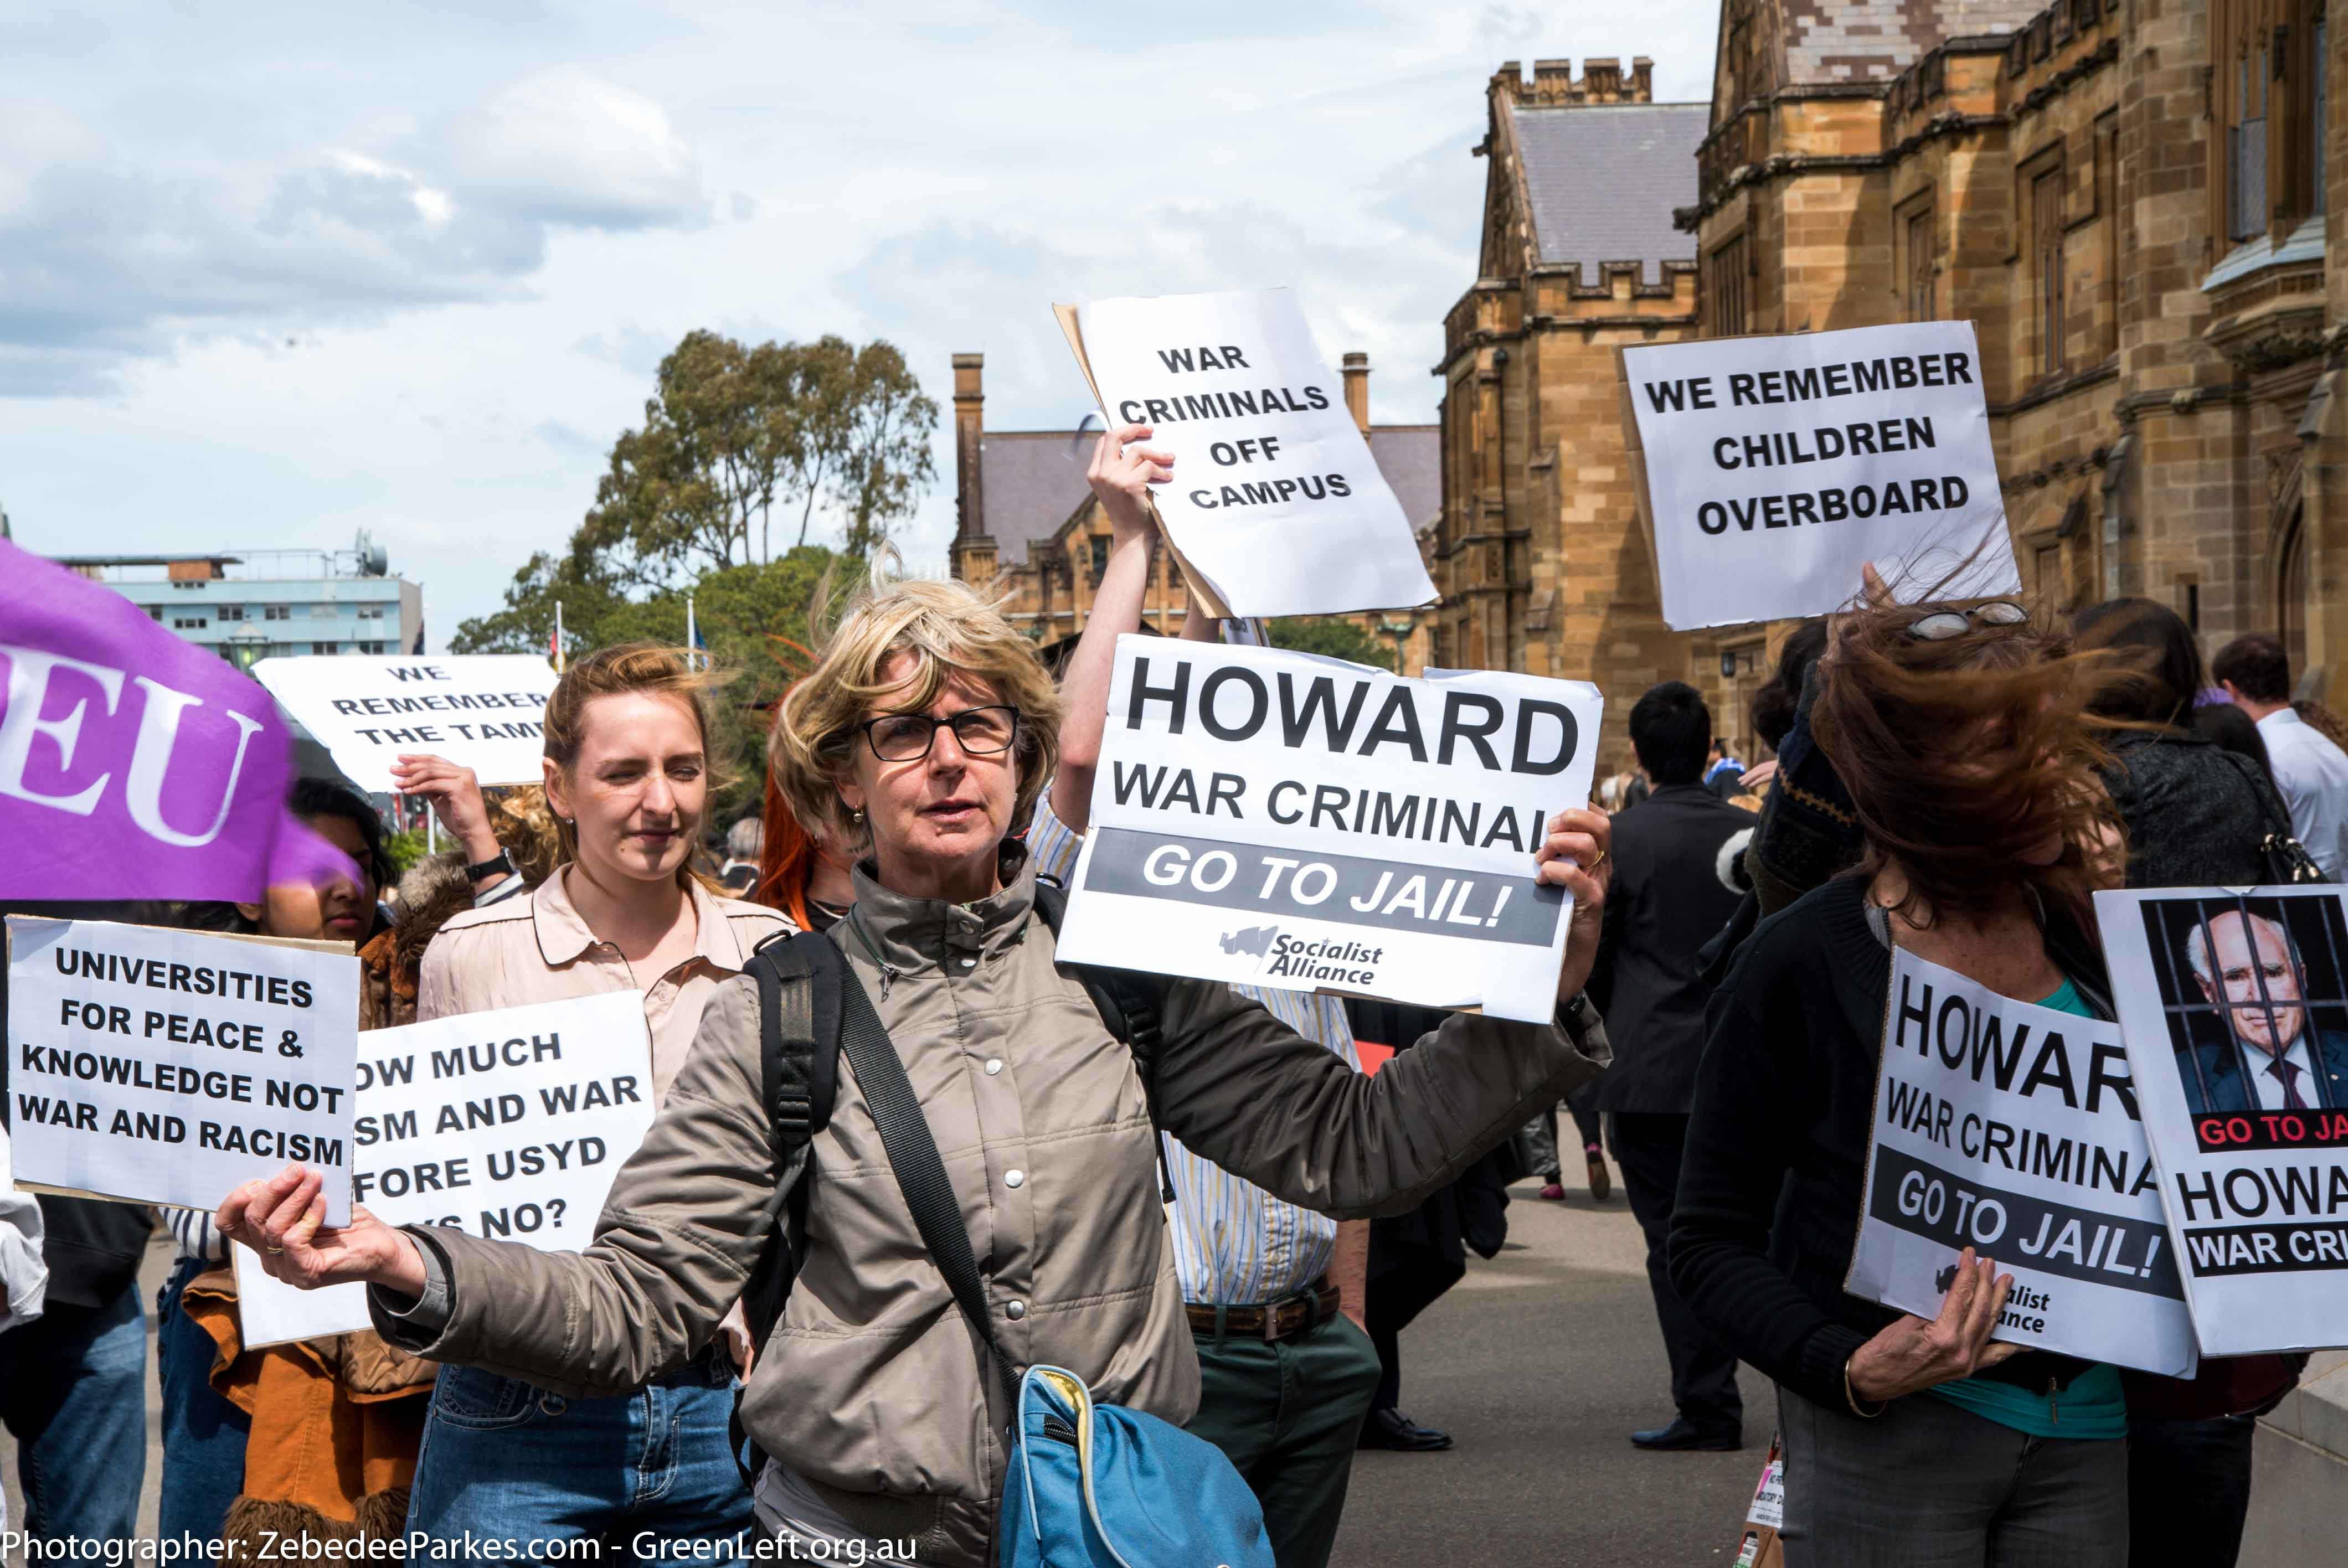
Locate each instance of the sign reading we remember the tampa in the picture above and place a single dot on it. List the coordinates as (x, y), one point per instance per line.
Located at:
(1772, 470)
(484, 710)
(1278, 819)
(2013, 1129)
(160, 1066)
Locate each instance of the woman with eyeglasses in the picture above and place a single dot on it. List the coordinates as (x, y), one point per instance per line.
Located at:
(1962, 737)
(927, 730)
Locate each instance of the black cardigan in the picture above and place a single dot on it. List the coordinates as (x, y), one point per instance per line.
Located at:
(1767, 1213)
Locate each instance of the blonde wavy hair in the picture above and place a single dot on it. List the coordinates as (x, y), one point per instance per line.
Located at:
(951, 630)
(613, 671)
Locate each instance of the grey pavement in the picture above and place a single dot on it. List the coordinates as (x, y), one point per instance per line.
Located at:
(1540, 1363)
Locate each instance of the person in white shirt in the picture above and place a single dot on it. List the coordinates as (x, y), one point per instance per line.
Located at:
(2309, 771)
(2274, 1061)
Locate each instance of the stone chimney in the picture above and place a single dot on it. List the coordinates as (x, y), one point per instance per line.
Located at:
(1357, 389)
(1643, 81)
(1601, 82)
(969, 401)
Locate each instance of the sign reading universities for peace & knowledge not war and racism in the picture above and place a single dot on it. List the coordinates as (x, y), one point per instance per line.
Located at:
(160, 1066)
(2012, 1128)
(481, 711)
(1773, 470)
(2234, 1004)
(508, 1124)
(1276, 501)
(1278, 819)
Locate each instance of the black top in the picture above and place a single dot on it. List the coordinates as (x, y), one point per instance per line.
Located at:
(1666, 901)
(1776, 1151)
(2195, 812)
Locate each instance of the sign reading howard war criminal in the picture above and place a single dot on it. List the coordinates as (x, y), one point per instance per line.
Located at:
(482, 711)
(2013, 1129)
(162, 1066)
(508, 1125)
(1276, 501)
(1773, 469)
(2235, 1006)
(1284, 820)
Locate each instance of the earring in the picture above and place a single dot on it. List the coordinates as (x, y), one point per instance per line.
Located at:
(856, 815)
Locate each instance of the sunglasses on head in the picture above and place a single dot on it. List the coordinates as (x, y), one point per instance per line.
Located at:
(1943, 624)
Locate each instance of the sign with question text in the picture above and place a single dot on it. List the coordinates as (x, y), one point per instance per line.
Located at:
(508, 1124)
(1773, 470)
(151, 1065)
(1280, 819)
(482, 711)
(1276, 502)
(2013, 1129)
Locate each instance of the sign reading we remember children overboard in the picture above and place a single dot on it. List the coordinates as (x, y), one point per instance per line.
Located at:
(1278, 819)
(1773, 469)
(482, 711)
(160, 1066)
(2234, 1004)
(508, 1124)
(2013, 1129)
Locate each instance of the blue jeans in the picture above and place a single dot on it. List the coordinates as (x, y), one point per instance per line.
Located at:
(506, 1461)
(73, 1393)
(203, 1434)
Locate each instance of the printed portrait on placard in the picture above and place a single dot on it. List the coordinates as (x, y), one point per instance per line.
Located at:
(2256, 996)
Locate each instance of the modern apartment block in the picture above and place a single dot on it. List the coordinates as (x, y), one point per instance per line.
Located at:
(271, 603)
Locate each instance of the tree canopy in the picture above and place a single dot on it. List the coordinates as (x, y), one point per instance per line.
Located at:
(1334, 636)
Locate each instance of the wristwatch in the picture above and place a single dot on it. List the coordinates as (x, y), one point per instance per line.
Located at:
(496, 863)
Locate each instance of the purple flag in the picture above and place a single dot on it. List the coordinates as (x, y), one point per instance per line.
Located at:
(133, 764)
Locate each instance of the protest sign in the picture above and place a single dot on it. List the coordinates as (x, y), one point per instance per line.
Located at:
(483, 711)
(1772, 469)
(1283, 820)
(508, 1125)
(2235, 1006)
(1276, 507)
(2013, 1129)
(159, 1066)
(133, 763)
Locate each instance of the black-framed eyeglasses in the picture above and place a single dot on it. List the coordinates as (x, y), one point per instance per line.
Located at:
(907, 737)
(1943, 624)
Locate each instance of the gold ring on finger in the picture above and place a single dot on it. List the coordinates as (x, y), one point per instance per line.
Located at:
(275, 1251)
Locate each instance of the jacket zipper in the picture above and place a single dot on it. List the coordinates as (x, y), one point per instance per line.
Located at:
(2054, 1403)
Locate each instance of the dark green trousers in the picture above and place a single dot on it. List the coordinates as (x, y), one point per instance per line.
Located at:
(1287, 1415)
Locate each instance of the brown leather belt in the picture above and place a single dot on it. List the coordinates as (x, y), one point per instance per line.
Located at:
(1283, 1320)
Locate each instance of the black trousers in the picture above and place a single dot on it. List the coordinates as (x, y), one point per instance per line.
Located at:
(2189, 1490)
(1647, 1145)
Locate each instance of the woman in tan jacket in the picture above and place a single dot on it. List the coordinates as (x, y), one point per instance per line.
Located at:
(929, 726)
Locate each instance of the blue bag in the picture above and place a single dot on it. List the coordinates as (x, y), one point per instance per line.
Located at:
(1088, 1485)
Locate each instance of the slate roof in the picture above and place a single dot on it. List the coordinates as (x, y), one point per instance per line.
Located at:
(1603, 179)
(1034, 479)
(1870, 40)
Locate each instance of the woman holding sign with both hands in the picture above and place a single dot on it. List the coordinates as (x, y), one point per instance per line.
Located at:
(930, 727)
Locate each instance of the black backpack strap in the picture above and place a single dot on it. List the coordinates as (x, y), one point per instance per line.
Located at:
(920, 1172)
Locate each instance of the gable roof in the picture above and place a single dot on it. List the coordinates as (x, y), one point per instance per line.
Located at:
(1602, 180)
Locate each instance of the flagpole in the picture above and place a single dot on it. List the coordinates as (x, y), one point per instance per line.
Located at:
(558, 637)
(692, 658)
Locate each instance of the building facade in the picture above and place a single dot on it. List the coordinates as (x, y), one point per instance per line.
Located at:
(272, 603)
(2131, 201)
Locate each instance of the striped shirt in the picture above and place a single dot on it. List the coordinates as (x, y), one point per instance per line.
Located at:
(1235, 1245)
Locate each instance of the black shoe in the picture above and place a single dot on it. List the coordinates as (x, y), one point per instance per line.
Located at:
(1393, 1430)
(1684, 1436)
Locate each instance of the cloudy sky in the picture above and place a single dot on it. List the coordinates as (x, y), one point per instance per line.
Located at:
(272, 274)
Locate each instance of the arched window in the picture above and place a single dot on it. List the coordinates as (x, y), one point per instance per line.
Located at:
(2290, 586)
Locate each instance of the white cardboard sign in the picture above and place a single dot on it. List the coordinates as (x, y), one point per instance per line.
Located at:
(2013, 1129)
(1275, 499)
(1777, 468)
(508, 1125)
(158, 1066)
(2235, 1001)
(1278, 819)
(484, 710)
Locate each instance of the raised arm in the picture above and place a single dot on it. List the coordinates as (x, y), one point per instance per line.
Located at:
(1122, 472)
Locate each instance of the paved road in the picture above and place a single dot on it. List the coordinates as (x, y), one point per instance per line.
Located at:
(1539, 1363)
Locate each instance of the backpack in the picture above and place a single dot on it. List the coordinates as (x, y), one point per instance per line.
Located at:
(803, 983)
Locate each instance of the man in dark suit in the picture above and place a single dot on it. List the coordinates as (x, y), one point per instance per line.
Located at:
(2272, 1059)
(1669, 896)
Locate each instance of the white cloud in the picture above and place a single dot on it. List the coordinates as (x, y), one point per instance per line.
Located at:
(571, 148)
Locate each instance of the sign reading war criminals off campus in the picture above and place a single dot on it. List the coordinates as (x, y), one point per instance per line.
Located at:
(1278, 819)
(1773, 469)
(159, 1066)
(482, 711)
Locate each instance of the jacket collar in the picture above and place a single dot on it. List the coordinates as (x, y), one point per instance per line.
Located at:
(564, 936)
(910, 935)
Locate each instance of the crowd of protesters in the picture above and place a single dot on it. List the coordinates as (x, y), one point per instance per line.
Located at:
(1190, 1229)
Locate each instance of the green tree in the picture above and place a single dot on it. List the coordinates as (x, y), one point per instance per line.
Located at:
(1334, 636)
